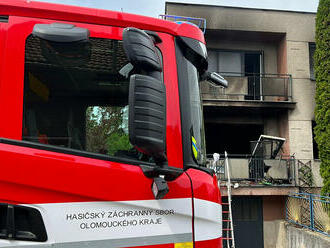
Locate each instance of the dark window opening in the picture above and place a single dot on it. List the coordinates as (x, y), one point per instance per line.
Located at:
(21, 223)
(312, 48)
(252, 71)
(79, 102)
(315, 147)
(233, 138)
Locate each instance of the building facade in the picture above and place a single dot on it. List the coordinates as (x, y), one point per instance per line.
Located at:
(267, 58)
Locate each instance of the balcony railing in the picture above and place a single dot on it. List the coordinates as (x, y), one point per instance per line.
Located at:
(278, 171)
(257, 87)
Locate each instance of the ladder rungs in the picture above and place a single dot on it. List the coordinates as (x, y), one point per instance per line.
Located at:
(225, 212)
(225, 203)
(226, 220)
(226, 229)
(227, 238)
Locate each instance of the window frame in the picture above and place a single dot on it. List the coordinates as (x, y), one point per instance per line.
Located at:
(11, 226)
(78, 152)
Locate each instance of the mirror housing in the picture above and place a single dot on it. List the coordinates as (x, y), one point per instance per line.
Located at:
(195, 51)
(147, 116)
(140, 50)
(60, 32)
(63, 43)
(215, 78)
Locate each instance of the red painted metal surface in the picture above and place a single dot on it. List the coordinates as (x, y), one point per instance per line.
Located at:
(95, 16)
(19, 28)
(31, 175)
(36, 176)
(173, 131)
(214, 243)
(204, 186)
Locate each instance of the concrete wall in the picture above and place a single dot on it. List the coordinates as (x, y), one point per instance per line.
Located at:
(273, 214)
(289, 236)
(280, 234)
(297, 26)
(271, 233)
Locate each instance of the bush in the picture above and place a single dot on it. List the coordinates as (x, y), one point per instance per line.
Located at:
(322, 72)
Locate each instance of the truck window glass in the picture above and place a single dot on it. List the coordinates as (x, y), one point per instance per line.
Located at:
(192, 112)
(81, 103)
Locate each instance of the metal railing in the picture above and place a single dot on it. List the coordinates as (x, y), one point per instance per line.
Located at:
(310, 211)
(250, 86)
(243, 167)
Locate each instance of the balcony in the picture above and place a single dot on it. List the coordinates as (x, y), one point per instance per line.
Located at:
(251, 89)
(254, 171)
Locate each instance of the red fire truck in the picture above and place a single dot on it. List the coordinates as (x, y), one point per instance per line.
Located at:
(101, 131)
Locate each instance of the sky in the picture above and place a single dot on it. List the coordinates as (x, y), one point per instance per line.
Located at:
(155, 7)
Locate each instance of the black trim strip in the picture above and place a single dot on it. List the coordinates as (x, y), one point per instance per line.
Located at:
(192, 206)
(70, 151)
(170, 173)
(4, 18)
(204, 169)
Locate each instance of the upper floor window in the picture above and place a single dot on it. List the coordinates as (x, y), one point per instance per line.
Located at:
(312, 48)
(241, 68)
(77, 101)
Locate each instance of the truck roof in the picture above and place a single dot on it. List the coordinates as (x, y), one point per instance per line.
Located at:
(28, 8)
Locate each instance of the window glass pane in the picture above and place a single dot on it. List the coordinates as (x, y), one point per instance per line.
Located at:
(230, 62)
(75, 96)
(311, 60)
(107, 129)
(213, 61)
(197, 131)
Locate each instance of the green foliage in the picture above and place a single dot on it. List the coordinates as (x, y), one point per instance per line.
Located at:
(322, 71)
(118, 141)
(105, 130)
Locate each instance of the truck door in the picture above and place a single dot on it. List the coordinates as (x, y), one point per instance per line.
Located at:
(69, 176)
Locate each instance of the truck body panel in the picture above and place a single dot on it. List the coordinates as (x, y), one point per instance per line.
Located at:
(88, 199)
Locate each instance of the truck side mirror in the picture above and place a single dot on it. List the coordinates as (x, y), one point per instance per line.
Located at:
(147, 116)
(140, 50)
(147, 95)
(215, 78)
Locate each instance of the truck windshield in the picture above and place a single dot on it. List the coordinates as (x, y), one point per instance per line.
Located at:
(191, 111)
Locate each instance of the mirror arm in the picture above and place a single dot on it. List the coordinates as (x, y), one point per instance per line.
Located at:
(215, 78)
(170, 173)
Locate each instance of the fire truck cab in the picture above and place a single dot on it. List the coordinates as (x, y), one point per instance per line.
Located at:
(101, 131)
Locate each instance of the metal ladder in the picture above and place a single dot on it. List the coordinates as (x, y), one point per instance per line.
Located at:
(227, 217)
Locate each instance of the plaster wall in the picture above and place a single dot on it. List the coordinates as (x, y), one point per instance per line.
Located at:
(298, 26)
